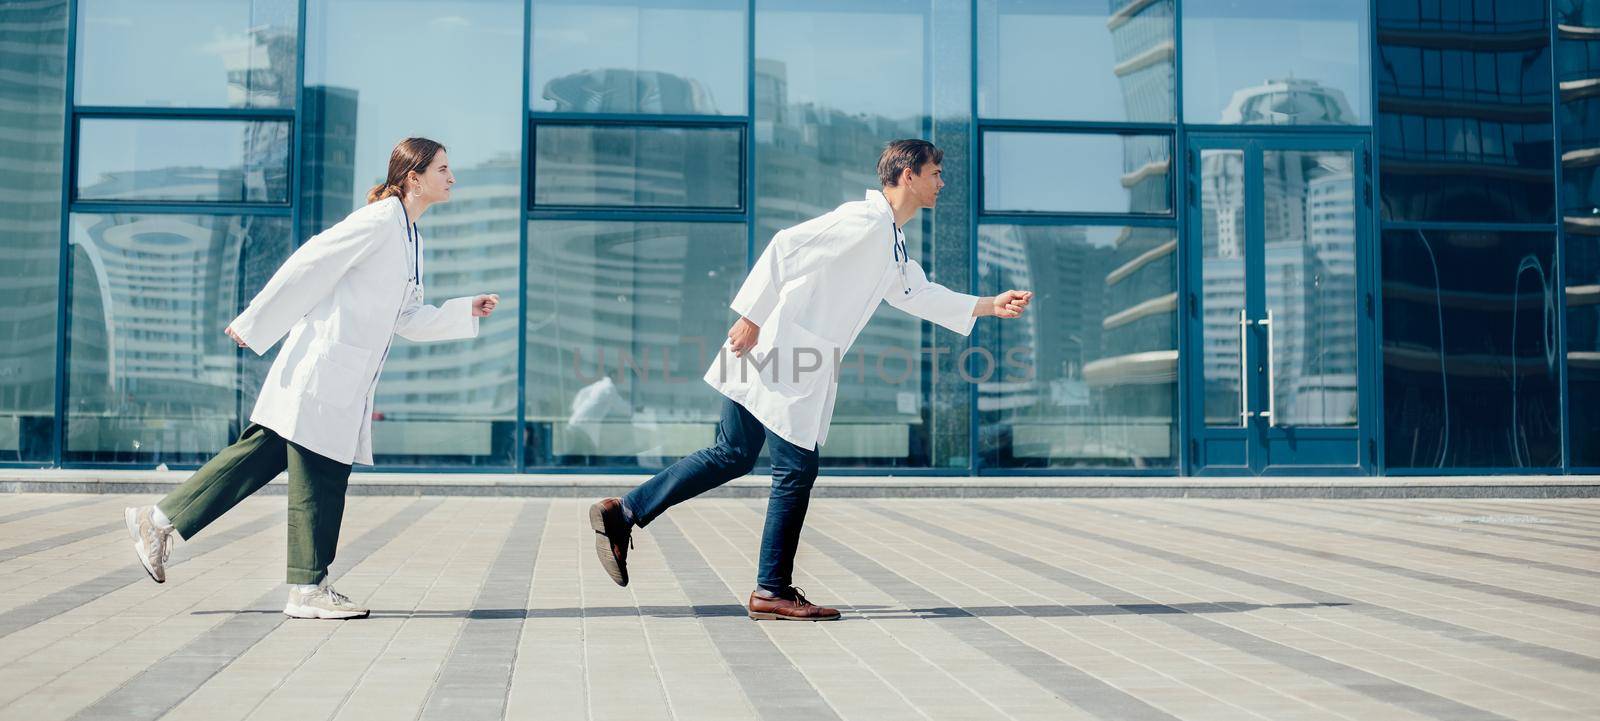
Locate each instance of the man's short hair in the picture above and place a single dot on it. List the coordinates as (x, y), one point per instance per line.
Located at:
(910, 153)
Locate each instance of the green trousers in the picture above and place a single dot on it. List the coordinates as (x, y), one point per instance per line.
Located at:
(316, 496)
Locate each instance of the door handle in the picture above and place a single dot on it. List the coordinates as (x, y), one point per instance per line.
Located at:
(1271, 413)
(1244, 369)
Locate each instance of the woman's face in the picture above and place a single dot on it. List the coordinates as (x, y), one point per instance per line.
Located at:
(433, 183)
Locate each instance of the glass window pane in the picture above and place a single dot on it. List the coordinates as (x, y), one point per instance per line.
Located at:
(674, 57)
(1310, 233)
(1061, 172)
(1222, 284)
(1583, 342)
(623, 320)
(1076, 60)
(152, 377)
(887, 381)
(626, 166)
(1470, 371)
(187, 53)
(821, 119)
(1267, 62)
(176, 160)
(1577, 64)
(440, 404)
(1474, 144)
(1089, 377)
(33, 51)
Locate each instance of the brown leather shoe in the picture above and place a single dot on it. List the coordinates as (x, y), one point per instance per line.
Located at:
(613, 536)
(790, 606)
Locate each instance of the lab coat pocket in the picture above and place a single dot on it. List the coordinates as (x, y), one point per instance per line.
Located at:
(339, 374)
(796, 359)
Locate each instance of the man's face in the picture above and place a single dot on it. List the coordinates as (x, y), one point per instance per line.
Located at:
(924, 186)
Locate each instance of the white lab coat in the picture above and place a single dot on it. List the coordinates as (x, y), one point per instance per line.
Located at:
(341, 298)
(812, 291)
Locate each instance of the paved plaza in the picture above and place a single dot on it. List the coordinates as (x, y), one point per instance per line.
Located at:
(488, 608)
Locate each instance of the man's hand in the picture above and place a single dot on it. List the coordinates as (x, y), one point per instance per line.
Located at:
(235, 337)
(743, 336)
(1011, 303)
(483, 305)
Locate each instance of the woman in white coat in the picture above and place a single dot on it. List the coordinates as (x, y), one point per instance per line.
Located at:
(340, 299)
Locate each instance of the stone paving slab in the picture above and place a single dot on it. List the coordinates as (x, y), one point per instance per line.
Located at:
(1021, 609)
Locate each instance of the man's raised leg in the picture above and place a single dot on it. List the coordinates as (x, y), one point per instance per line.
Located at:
(739, 440)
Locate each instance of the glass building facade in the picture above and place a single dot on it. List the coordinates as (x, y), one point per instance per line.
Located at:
(1342, 237)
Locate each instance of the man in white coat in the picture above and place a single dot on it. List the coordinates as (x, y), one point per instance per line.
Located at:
(807, 298)
(340, 299)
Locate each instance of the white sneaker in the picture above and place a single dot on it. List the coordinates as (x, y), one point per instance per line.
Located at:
(321, 602)
(150, 542)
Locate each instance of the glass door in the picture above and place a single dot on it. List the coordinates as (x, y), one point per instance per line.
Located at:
(1278, 311)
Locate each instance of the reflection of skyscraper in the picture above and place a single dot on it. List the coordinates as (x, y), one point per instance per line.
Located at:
(626, 300)
(624, 90)
(1104, 342)
(151, 372)
(1104, 390)
(1311, 286)
(1132, 375)
(1464, 112)
(1578, 77)
(438, 400)
(1141, 37)
(1289, 101)
(1222, 291)
(328, 156)
(813, 157)
(261, 66)
(151, 375)
(32, 89)
(1308, 227)
(586, 165)
(1324, 390)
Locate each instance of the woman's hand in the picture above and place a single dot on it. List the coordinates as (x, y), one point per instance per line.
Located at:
(235, 337)
(483, 305)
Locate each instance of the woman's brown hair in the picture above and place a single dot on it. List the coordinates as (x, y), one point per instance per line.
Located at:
(408, 155)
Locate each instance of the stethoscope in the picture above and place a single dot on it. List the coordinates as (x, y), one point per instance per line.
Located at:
(413, 237)
(901, 255)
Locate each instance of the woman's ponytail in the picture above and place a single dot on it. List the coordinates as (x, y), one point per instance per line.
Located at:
(381, 191)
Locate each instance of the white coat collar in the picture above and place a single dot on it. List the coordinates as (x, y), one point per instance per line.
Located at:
(399, 211)
(876, 199)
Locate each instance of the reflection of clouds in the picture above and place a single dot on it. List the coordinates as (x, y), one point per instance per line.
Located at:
(223, 44)
(597, 31)
(450, 22)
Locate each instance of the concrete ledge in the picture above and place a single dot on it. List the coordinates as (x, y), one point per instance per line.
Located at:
(595, 486)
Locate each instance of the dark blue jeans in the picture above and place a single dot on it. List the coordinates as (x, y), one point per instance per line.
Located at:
(739, 440)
